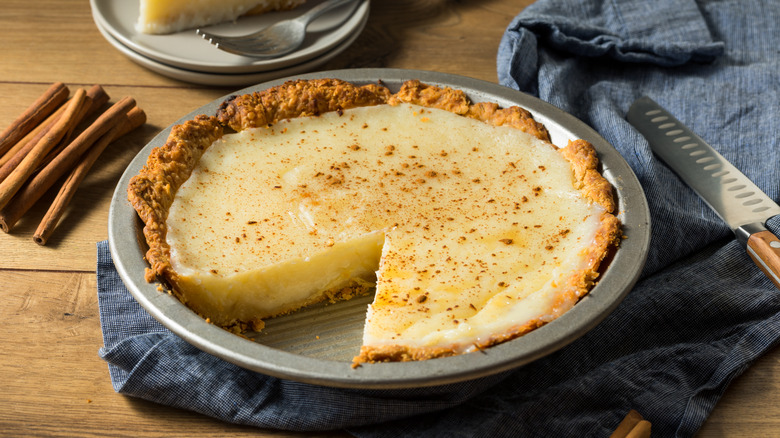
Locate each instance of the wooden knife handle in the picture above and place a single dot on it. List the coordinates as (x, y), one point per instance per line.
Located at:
(764, 248)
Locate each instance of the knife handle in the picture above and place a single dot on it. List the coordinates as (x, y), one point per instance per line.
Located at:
(764, 248)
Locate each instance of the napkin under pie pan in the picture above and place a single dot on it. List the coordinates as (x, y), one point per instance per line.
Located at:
(316, 345)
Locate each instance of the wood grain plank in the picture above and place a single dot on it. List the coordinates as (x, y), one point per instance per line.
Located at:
(444, 36)
(59, 39)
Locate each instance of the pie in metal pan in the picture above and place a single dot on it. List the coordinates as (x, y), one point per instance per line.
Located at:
(315, 344)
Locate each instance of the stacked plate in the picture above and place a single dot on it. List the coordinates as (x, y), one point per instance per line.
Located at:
(186, 56)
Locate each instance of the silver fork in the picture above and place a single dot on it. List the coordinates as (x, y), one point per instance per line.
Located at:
(273, 41)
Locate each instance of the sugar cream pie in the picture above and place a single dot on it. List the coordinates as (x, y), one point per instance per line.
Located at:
(469, 226)
(169, 16)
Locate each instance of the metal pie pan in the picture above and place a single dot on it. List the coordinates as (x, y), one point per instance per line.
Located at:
(316, 345)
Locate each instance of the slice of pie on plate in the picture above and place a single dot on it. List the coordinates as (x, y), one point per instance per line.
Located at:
(169, 16)
(469, 226)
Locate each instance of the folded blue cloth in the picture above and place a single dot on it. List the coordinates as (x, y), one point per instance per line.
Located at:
(700, 315)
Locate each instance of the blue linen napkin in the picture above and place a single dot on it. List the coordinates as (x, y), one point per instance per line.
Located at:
(700, 315)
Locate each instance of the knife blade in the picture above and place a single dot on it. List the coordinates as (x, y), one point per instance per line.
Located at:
(734, 197)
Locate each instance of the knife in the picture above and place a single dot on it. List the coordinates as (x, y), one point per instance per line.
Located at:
(739, 202)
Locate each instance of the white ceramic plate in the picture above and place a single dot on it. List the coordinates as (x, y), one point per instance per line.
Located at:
(316, 345)
(225, 79)
(186, 50)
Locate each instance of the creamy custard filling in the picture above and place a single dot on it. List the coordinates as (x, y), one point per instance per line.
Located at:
(472, 229)
(501, 288)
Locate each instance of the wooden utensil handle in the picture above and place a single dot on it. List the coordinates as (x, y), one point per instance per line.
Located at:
(764, 248)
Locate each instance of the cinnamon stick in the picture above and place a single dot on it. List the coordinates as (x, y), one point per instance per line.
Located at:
(43, 180)
(27, 142)
(19, 175)
(632, 426)
(98, 98)
(642, 429)
(52, 98)
(135, 118)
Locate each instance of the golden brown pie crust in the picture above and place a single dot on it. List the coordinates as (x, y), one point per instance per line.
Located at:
(152, 191)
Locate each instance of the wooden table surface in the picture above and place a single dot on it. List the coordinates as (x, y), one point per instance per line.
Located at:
(52, 382)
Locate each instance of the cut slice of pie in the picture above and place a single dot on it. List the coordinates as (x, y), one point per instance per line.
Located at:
(169, 16)
(472, 226)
